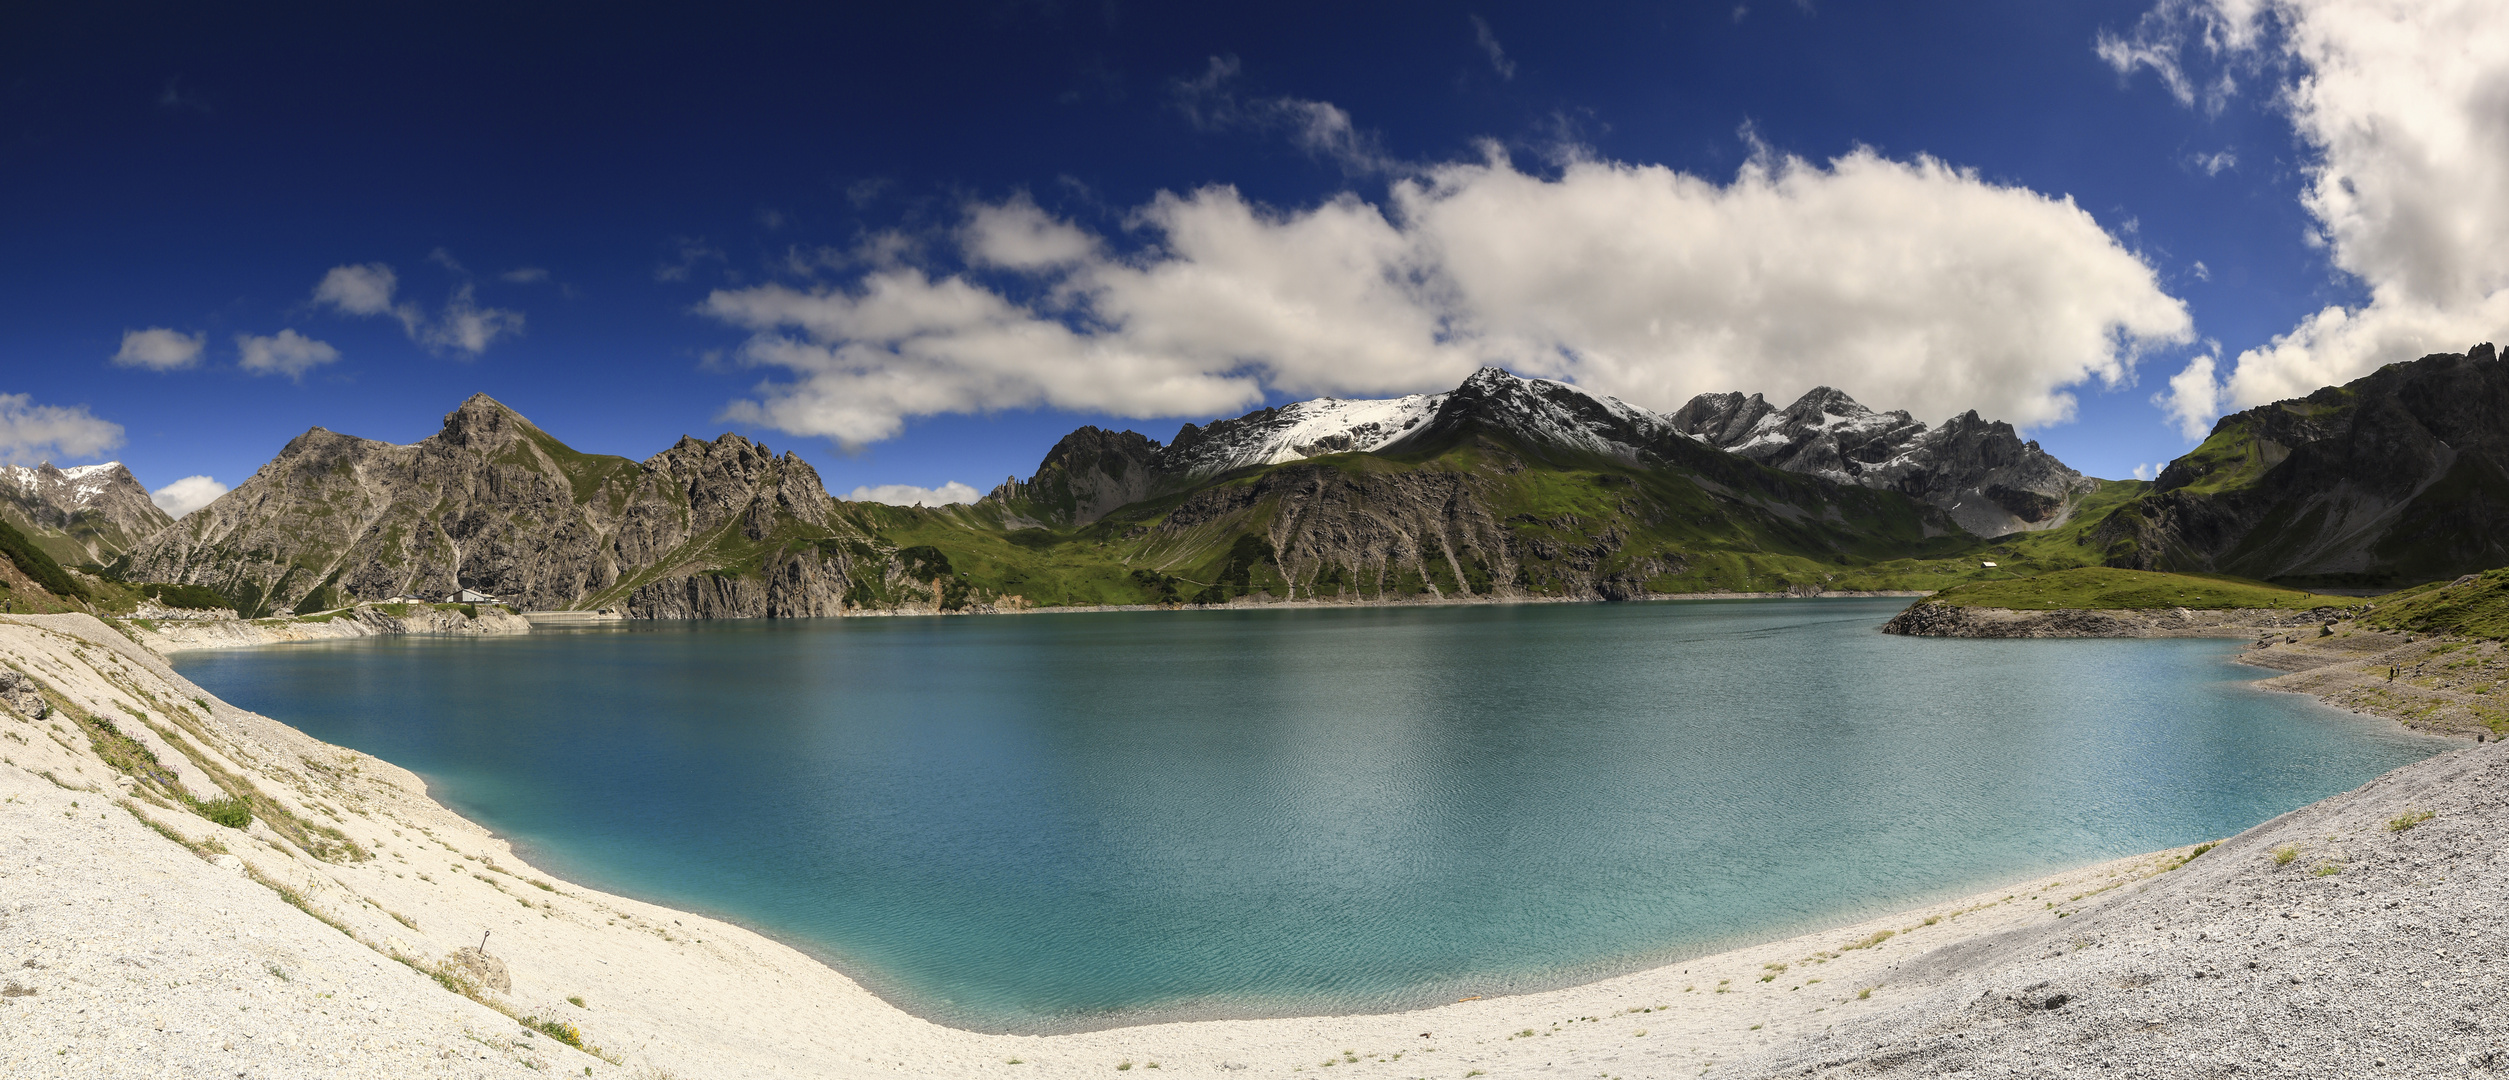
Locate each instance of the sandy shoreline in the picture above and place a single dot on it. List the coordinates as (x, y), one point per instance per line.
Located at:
(663, 992)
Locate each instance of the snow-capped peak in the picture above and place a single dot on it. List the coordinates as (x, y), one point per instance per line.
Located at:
(73, 488)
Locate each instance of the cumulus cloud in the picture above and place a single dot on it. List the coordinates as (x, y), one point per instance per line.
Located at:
(1016, 235)
(910, 495)
(364, 289)
(285, 353)
(463, 326)
(2404, 109)
(1918, 284)
(30, 433)
(187, 494)
(159, 349)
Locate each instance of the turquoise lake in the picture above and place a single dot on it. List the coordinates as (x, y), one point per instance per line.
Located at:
(1053, 822)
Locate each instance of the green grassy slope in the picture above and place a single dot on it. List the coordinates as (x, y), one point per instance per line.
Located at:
(2479, 608)
(2107, 589)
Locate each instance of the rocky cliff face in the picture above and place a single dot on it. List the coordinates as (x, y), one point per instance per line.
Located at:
(493, 503)
(82, 514)
(1979, 471)
(2398, 477)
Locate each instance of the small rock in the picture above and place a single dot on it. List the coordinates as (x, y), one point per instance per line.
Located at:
(228, 862)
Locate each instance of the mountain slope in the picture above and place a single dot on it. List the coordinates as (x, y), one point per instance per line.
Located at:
(1505, 487)
(493, 503)
(2397, 477)
(82, 514)
(1979, 471)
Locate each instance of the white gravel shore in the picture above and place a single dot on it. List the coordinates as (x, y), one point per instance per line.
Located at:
(128, 952)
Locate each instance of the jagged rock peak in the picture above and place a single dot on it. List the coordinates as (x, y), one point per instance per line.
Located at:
(1978, 470)
(482, 420)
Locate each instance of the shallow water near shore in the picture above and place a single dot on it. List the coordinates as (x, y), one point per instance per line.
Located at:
(1051, 822)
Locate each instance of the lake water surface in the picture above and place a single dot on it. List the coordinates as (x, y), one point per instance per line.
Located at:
(1051, 822)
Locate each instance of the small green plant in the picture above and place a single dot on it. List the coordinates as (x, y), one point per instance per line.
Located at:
(1879, 936)
(2410, 819)
(1127, 1066)
(1865, 993)
(1768, 978)
(2284, 854)
(556, 1029)
(1755, 1027)
(577, 1001)
(1013, 1061)
(232, 812)
(2330, 870)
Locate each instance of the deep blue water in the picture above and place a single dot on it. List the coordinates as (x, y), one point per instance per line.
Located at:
(1058, 821)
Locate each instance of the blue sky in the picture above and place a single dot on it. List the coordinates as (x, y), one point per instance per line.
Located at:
(633, 225)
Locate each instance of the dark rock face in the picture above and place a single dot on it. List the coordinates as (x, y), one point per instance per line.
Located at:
(1979, 471)
(90, 513)
(2398, 477)
(494, 504)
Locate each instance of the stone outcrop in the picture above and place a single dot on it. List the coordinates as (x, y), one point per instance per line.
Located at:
(1930, 619)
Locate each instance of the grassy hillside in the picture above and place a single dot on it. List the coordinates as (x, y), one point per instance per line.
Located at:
(37, 565)
(2103, 588)
(2478, 608)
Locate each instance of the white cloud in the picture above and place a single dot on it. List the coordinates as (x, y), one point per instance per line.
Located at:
(30, 433)
(1917, 284)
(525, 275)
(467, 327)
(1016, 235)
(159, 349)
(187, 494)
(2193, 399)
(2146, 471)
(2405, 111)
(2215, 164)
(364, 289)
(285, 353)
(1488, 41)
(910, 495)
(463, 326)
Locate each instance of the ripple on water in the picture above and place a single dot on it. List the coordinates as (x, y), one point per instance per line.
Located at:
(1044, 822)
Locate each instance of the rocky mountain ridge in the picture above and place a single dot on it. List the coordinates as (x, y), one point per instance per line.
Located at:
(2397, 477)
(1979, 471)
(81, 514)
(492, 503)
